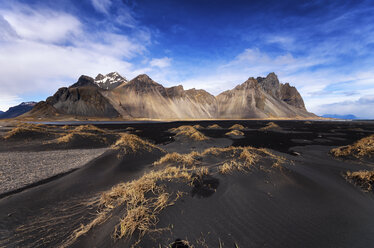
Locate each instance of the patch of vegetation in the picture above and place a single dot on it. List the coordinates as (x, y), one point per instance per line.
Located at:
(76, 136)
(197, 126)
(363, 179)
(237, 127)
(90, 128)
(232, 158)
(235, 133)
(29, 131)
(180, 159)
(87, 134)
(130, 143)
(143, 199)
(214, 126)
(188, 132)
(271, 126)
(361, 148)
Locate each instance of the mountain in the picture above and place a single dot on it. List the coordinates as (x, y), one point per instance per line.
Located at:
(142, 97)
(109, 81)
(17, 110)
(348, 117)
(261, 98)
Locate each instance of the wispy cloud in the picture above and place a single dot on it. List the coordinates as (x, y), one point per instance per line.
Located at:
(42, 26)
(160, 62)
(362, 108)
(102, 5)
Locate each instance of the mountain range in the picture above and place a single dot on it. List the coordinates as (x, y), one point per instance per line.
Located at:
(113, 96)
(17, 110)
(335, 116)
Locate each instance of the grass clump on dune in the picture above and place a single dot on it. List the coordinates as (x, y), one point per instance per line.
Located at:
(361, 148)
(183, 159)
(270, 126)
(364, 179)
(214, 126)
(142, 200)
(79, 136)
(89, 128)
(197, 126)
(237, 127)
(83, 134)
(188, 132)
(130, 143)
(231, 158)
(235, 133)
(28, 130)
(242, 158)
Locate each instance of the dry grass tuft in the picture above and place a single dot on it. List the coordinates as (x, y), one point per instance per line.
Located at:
(28, 130)
(364, 179)
(197, 126)
(89, 128)
(188, 132)
(65, 127)
(214, 126)
(308, 122)
(235, 133)
(75, 136)
(84, 133)
(130, 143)
(242, 158)
(270, 126)
(182, 159)
(237, 127)
(143, 199)
(362, 148)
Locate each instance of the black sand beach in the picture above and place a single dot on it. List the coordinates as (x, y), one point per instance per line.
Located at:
(293, 193)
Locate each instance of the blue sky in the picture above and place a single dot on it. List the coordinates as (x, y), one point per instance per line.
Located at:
(324, 48)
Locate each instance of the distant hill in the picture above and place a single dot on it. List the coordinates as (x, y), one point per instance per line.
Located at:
(350, 117)
(17, 110)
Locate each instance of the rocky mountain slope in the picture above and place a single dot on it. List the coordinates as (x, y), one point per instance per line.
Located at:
(17, 110)
(113, 96)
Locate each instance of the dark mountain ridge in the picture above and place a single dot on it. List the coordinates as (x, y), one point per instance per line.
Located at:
(17, 110)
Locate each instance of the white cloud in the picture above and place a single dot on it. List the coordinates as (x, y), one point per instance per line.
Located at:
(46, 26)
(102, 5)
(362, 107)
(7, 101)
(44, 49)
(161, 62)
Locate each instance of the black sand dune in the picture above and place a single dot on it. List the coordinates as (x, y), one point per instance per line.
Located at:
(303, 202)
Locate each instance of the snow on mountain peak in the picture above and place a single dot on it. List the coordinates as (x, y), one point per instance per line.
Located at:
(110, 80)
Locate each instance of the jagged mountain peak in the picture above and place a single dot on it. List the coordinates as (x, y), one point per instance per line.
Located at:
(110, 80)
(248, 84)
(144, 78)
(84, 81)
